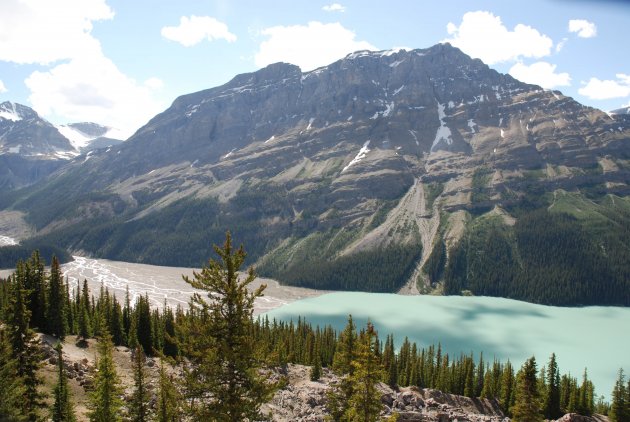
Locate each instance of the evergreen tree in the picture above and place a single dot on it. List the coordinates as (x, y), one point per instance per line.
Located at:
(167, 407)
(139, 406)
(25, 349)
(619, 408)
(62, 410)
(480, 376)
(11, 386)
(57, 317)
(586, 401)
(84, 314)
(170, 348)
(144, 326)
(316, 370)
(527, 401)
(507, 388)
(365, 403)
(105, 403)
(345, 351)
(227, 362)
(551, 404)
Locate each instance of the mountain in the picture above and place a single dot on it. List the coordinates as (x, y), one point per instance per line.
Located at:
(624, 110)
(89, 136)
(376, 172)
(31, 148)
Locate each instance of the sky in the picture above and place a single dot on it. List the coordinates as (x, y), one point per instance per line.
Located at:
(120, 62)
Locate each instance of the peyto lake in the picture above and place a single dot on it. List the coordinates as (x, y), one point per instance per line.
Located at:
(595, 337)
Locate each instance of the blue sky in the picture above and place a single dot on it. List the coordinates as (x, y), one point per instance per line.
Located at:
(120, 62)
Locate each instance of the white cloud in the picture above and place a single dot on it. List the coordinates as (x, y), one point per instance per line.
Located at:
(540, 73)
(335, 7)
(2, 87)
(194, 29)
(78, 83)
(482, 35)
(92, 88)
(44, 31)
(584, 28)
(154, 83)
(561, 44)
(597, 89)
(311, 46)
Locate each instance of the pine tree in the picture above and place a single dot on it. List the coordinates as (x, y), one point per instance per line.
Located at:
(139, 406)
(527, 401)
(62, 410)
(365, 403)
(11, 385)
(25, 349)
(84, 314)
(144, 326)
(105, 402)
(619, 406)
(345, 351)
(170, 348)
(507, 388)
(551, 405)
(227, 362)
(168, 396)
(586, 400)
(56, 318)
(316, 370)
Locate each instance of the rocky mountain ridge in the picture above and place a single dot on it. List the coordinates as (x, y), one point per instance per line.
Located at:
(31, 148)
(373, 153)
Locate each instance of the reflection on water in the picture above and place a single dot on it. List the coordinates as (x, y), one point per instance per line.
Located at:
(506, 329)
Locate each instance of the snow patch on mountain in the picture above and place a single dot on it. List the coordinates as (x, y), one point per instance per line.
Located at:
(443, 133)
(388, 109)
(8, 241)
(80, 139)
(361, 155)
(8, 112)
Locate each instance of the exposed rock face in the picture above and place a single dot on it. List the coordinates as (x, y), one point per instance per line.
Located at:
(30, 147)
(332, 147)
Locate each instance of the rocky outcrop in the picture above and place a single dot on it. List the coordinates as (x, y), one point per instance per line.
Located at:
(303, 400)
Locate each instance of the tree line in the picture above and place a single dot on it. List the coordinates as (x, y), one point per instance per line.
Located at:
(215, 354)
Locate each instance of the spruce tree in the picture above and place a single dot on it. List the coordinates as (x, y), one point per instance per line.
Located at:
(105, 403)
(527, 401)
(170, 348)
(11, 384)
(620, 405)
(316, 370)
(57, 317)
(24, 349)
(227, 361)
(551, 404)
(139, 406)
(84, 319)
(168, 397)
(507, 388)
(365, 401)
(62, 410)
(345, 351)
(144, 326)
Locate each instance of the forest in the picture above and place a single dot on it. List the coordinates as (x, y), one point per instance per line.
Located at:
(217, 347)
(547, 257)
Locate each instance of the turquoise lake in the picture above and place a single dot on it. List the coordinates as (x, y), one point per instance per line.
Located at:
(594, 337)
